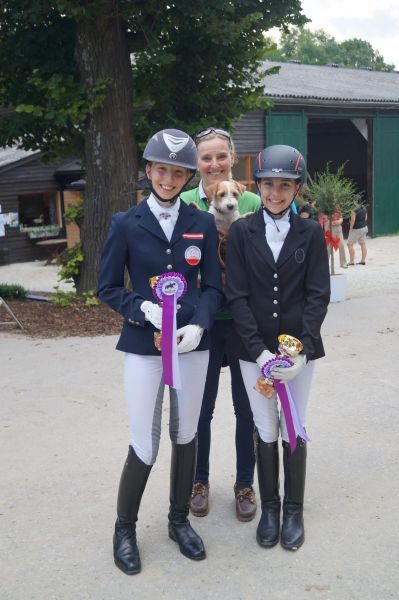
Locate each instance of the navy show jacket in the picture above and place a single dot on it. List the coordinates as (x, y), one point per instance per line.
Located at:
(136, 241)
(267, 298)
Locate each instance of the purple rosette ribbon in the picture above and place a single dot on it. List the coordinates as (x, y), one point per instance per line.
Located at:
(290, 410)
(169, 288)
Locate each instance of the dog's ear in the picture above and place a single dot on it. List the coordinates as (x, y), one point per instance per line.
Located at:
(212, 189)
(241, 187)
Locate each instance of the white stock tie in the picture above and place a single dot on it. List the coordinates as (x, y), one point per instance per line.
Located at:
(167, 224)
(275, 237)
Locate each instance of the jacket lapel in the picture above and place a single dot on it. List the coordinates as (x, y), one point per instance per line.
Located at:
(258, 238)
(293, 240)
(184, 221)
(147, 220)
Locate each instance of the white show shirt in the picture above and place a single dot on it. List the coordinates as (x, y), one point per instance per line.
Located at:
(166, 215)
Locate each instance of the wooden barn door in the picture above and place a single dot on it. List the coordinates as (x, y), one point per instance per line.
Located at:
(287, 129)
(385, 175)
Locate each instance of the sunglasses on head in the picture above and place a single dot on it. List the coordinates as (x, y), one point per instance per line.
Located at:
(205, 132)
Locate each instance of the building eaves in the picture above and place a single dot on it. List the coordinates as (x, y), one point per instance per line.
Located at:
(326, 84)
(11, 155)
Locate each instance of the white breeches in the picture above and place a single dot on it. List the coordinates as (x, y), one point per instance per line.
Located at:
(144, 391)
(268, 417)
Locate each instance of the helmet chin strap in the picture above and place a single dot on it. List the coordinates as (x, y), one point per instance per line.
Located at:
(279, 214)
(171, 200)
(175, 197)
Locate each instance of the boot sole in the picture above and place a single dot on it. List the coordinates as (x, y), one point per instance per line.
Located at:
(292, 548)
(187, 555)
(268, 544)
(245, 519)
(199, 514)
(125, 571)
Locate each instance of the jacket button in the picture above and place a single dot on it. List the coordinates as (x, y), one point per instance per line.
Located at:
(169, 267)
(275, 288)
(275, 301)
(275, 315)
(275, 276)
(168, 251)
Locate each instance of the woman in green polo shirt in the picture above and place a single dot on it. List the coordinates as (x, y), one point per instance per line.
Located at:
(216, 156)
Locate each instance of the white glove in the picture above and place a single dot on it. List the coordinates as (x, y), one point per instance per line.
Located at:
(153, 313)
(264, 357)
(191, 336)
(285, 374)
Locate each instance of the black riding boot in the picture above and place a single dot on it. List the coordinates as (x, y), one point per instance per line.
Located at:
(268, 531)
(292, 532)
(131, 487)
(181, 482)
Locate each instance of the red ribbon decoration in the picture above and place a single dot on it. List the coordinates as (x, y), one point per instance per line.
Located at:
(334, 241)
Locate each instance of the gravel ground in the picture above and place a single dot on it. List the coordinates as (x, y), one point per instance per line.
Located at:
(64, 436)
(34, 276)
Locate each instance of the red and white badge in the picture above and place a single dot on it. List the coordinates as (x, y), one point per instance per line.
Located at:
(192, 255)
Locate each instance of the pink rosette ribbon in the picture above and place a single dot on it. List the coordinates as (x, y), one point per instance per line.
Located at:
(290, 410)
(169, 288)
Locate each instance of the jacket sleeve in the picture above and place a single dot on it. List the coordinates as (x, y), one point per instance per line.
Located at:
(237, 292)
(211, 297)
(111, 282)
(317, 291)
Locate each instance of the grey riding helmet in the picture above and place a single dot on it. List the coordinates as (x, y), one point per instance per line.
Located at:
(280, 161)
(173, 147)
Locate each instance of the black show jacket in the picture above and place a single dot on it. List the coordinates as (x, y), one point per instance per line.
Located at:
(267, 298)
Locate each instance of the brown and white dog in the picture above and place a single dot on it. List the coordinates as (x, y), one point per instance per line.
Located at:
(224, 197)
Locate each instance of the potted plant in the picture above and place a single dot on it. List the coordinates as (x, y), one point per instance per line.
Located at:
(333, 193)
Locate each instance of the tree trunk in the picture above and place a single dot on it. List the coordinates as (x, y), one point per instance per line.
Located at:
(110, 149)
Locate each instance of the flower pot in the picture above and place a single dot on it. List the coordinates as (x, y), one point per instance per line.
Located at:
(338, 287)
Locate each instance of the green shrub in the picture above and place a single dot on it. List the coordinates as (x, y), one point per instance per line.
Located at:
(90, 298)
(12, 290)
(63, 299)
(74, 213)
(70, 271)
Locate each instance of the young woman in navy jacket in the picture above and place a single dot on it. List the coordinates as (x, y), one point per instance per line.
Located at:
(161, 235)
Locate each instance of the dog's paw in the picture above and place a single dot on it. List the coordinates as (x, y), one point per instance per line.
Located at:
(245, 215)
(194, 205)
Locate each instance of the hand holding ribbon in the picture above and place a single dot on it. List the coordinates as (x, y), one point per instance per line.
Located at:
(152, 313)
(272, 370)
(264, 357)
(168, 288)
(287, 373)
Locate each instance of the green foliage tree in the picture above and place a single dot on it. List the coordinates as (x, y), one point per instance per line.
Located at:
(74, 69)
(320, 48)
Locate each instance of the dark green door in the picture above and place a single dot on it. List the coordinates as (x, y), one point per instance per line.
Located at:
(386, 175)
(287, 129)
